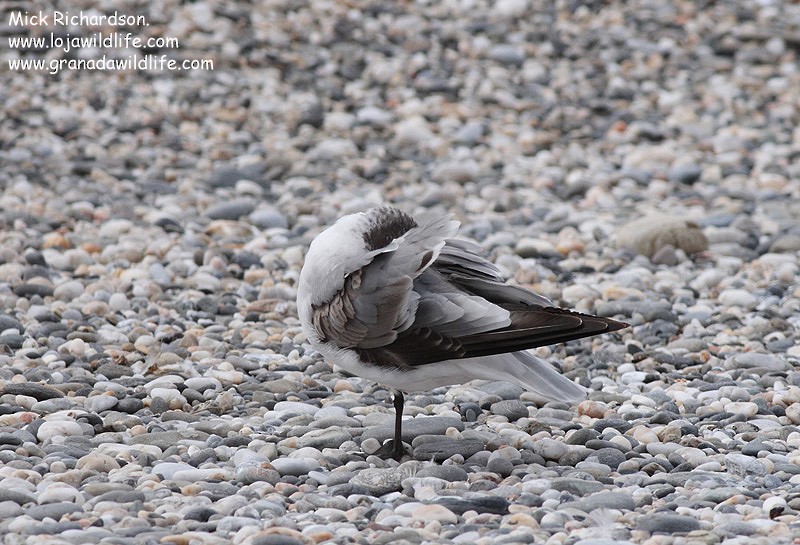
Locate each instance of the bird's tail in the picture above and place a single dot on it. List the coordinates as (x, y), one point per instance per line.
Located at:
(525, 369)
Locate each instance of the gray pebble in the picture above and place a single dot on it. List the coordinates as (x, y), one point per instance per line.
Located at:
(665, 523)
(441, 449)
(434, 425)
(480, 504)
(578, 487)
(20, 497)
(37, 391)
(52, 510)
(448, 473)
(511, 408)
(230, 210)
(268, 218)
(685, 174)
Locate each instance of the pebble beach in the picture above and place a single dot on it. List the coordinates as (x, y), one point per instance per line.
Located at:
(636, 160)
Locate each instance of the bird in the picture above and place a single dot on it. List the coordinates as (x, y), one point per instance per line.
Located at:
(408, 305)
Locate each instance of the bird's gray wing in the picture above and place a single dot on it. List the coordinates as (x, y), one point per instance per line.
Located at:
(465, 310)
(462, 264)
(377, 301)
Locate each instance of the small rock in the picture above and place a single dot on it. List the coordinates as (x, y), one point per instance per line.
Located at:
(512, 409)
(433, 512)
(40, 392)
(685, 174)
(230, 210)
(663, 523)
(295, 466)
(440, 450)
(742, 465)
(738, 298)
(58, 428)
(649, 234)
(268, 218)
(430, 425)
(550, 449)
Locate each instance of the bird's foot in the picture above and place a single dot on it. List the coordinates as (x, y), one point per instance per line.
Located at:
(393, 449)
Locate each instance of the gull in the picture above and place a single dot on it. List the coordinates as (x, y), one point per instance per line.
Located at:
(407, 305)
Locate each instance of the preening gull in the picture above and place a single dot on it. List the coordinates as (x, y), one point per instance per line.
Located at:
(410, 306)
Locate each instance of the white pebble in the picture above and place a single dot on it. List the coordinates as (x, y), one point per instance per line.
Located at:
(738, 298)
(747, 408)
(58, 428)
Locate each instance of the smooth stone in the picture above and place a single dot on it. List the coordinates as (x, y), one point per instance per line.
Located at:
(69, 290)
(663, 523)
(52, 510)
(168, 469)
(268, 218)
(609, 456)
(501, 466)
(13, 341)
(58, 428)
(120, 496)
(507, 54)
(380, 481)
(166, 439)
(30, 289)
(603, 500)
(582, 436)
(481, 504)
(512, 409)
(742, 465)
(785, 244)
(648, 234)
(578, 487)
(295, 407)
(118, 302)
(323, 438)
(428, 425)
(9, 322)
(720, 494)
(470, 133)
(685, 174)
(440, 450)
(130, 405)
(433, 512)
(40, 392)
(749, 360)
(747, 408)
(295, 466)
(16, 495)
(98, 404)
(550, 449)
(735, 529)
(230, 210)
(9, 510)
(276, 539)
(250, 473)
(618, 424)
(738, 298)
(96, 461)
(448, 473)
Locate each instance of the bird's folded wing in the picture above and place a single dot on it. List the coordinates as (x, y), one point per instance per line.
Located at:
(531, 327)
(425, 301)
(377, 301)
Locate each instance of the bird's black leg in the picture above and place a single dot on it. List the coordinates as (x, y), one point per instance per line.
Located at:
(399, 402)
(394, 447)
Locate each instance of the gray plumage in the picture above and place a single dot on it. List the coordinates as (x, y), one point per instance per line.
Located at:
(412, 307)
